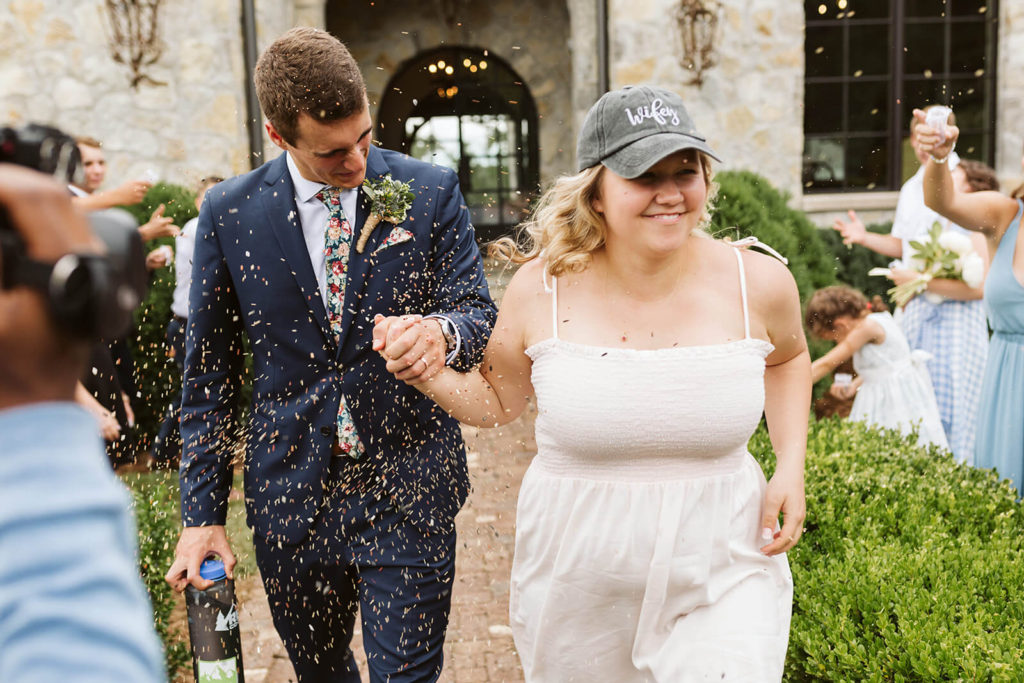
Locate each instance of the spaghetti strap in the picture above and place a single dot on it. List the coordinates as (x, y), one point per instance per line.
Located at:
(553, 290)
(743, 294)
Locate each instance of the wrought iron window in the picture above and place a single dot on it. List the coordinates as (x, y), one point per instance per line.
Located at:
(869, 63)
(466, 109)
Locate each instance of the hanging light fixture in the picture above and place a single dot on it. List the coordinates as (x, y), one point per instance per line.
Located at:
(698, 26)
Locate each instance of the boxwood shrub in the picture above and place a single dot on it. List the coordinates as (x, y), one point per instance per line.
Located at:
(911, 567)
(156, 376)
(155, 504)
(853, 263)
(748, 204)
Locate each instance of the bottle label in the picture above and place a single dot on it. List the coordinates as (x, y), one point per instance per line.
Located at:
(223, 671)
(227, 621)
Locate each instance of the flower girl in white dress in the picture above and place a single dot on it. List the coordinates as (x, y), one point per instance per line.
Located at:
(892, 388)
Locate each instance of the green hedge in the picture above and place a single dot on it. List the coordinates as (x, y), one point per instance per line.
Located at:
(853, 263)
(155, 504)
(156, 376)
(911, 567)
(748, 204)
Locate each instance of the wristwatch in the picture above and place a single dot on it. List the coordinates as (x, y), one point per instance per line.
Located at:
(448, 330)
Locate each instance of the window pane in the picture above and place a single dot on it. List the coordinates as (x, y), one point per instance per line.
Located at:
(866, 165)
(920, 92)
(970, 104)
(815, 9)
(970, 8)
(823, 163)
(824, 50)
(436, 141)
(869, 52)
(971, 146)
(823, 108)
(926, 48)
(869, 106)
(967, 49)
(868, 9)
(924, 8)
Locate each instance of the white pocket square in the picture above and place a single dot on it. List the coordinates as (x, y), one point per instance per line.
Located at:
(397, 235)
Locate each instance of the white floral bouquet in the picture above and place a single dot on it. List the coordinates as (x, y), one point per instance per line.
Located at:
(939, 255)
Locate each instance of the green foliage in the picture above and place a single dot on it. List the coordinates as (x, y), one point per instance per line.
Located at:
(155, 504)
(911, 567)
(853, 263)
(748, 204)
(156, 376)
(389, 198)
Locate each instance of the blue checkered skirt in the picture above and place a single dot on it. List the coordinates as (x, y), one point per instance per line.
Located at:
(956, 334)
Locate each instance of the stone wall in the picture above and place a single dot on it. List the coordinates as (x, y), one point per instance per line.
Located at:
(530, 35)
(1010, 94)
(56, 68)
(750, 106)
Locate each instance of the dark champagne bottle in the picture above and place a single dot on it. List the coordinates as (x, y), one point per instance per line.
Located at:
(213, 627)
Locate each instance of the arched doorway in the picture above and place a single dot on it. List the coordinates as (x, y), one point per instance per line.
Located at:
(465, 108)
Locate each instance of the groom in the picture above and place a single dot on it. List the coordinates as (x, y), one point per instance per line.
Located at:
(352, 478)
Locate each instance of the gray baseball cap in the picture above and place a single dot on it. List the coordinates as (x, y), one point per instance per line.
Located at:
(632, 129)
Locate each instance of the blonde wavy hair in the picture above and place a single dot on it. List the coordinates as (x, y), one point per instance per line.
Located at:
(566, 230)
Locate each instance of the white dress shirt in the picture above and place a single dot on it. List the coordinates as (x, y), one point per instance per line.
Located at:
(313, 215)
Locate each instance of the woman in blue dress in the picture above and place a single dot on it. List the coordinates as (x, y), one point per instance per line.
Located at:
(999, 442)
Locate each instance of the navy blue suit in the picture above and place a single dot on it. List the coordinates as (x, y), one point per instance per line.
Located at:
(252, 274)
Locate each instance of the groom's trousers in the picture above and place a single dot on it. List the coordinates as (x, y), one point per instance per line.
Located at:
(361, 552)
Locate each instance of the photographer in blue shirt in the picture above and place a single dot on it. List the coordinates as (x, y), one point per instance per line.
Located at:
(72, 605)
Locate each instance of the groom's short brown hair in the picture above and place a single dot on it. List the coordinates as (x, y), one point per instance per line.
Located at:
(307, 70)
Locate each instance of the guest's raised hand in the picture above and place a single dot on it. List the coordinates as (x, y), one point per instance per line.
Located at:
(412, 346)
(158, 225)
(936, 143)
(129, 192)
(852, 231)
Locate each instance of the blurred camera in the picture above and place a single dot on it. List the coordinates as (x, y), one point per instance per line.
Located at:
(90, 296)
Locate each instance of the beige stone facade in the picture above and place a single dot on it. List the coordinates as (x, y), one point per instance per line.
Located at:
(56, 67)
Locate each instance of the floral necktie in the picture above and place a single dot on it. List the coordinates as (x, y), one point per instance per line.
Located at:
(337, 245)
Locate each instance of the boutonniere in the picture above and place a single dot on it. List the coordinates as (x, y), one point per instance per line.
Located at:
(390, 200)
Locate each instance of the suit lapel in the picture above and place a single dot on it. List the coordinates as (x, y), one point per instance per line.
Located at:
(358, 265)
(280, 202)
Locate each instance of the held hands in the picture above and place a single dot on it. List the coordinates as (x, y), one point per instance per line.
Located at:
(195, 545)
(785, 494)
(933, 141)
(852, 231)
(413, 347)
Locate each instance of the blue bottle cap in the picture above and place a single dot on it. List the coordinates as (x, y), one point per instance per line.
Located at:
(212, 569)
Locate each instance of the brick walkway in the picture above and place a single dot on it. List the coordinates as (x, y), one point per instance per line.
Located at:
(479, 645)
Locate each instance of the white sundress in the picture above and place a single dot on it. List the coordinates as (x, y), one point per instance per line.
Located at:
(897, 391)
(639, 520)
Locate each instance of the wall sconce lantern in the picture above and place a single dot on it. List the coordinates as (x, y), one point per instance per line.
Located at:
(133, 36)
(698, 25)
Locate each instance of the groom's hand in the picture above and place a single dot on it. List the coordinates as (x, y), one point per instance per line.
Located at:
(413, 346)
(195, 545)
